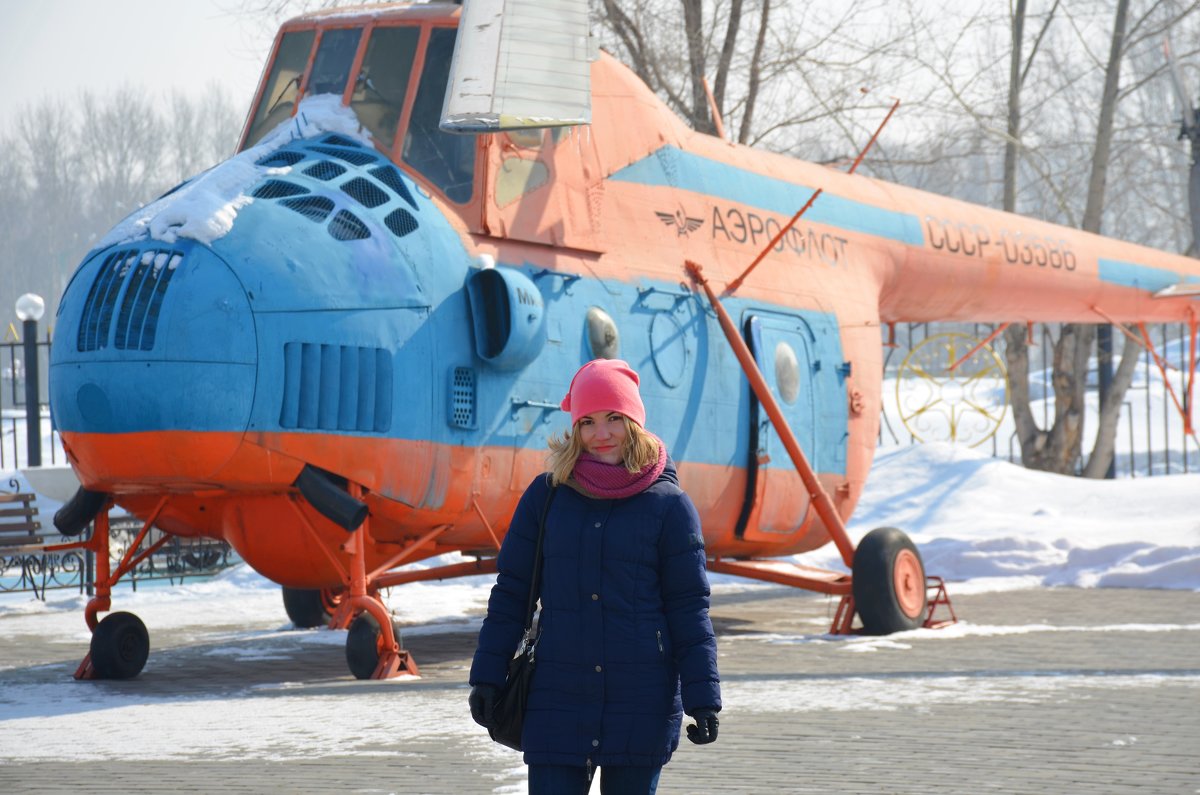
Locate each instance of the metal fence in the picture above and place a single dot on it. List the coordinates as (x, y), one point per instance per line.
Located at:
(13, 411)
(1150, 430)
(73, 570)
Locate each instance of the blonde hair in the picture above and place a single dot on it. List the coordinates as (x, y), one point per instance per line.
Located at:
(639, 450)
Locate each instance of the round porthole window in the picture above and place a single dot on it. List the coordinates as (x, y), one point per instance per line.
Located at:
(787, 372)
(603, 338)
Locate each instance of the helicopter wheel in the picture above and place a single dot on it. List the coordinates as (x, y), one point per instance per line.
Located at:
(310, 607)
(888, 582)
(120, 646)
(364, 644)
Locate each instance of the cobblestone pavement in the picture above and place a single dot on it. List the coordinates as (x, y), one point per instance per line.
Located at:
(1039, 691)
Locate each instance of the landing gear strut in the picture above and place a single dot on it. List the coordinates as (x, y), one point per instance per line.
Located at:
(120, 643)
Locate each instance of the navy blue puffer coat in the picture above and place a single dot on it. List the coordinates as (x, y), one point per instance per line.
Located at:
(626, 642)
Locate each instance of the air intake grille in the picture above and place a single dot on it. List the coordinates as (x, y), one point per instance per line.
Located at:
(325, 170)
(137, 284)
(281, 159)
(336, 387)
(338, 140)
(366, 192)
(355, 157)
(314, 208)
(278, 189)
(462, 397)
(346, 226)
(389, 176)
(401, 222)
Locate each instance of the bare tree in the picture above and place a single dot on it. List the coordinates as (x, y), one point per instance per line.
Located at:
(77, 166)
(1058, 448)
(200, 131)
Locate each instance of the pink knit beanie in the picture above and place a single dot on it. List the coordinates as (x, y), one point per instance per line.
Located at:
(605, 385)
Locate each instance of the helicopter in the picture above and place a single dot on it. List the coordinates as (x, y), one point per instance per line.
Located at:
(343, 350)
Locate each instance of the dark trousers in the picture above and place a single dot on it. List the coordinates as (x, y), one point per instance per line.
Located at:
(614, 780)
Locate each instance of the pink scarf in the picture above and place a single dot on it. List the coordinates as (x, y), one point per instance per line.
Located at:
(614, 481)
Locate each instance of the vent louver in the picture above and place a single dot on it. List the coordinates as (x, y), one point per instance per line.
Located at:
(336, 387)
(138, 283)
(462, 397)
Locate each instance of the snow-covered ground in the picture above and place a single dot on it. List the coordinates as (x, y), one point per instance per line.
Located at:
(980, 522)
(983, 524)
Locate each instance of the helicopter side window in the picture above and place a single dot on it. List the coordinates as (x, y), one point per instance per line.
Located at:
(279, 95)
(382, 83)
(335, 56)
(446, 160)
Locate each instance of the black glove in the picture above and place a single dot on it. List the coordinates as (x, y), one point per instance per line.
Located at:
(482, 701)
(705, 729)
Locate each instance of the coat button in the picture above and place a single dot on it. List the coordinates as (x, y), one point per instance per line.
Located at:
(597, 669)
(595, 743)
(597, 524)
(595, 597)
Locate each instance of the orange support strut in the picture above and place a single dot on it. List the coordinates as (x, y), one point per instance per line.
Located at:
(820, 498)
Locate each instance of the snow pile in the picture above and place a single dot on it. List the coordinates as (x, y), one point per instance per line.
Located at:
(204, 208)
(997, 525)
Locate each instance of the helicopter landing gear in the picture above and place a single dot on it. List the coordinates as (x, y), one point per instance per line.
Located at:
(366, 646)
(309, 608)
(120, 647)
(120, 643)
(889, 582)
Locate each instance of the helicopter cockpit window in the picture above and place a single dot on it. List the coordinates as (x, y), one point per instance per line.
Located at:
(279, 95)
(335, 56)
(382, 83)
(446, 160)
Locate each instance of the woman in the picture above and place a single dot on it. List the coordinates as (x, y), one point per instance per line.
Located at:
(626, 644)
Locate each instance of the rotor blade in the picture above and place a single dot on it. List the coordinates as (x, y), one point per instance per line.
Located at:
(520, 64)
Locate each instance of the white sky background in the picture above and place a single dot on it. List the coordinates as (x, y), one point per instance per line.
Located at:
(52, 49)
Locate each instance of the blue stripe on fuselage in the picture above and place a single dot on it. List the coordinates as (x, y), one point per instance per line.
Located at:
(675, 168)
(1143, 277)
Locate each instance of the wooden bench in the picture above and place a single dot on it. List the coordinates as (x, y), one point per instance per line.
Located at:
(19, 525)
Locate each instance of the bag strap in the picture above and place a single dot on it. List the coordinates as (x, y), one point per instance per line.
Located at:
(536, 580)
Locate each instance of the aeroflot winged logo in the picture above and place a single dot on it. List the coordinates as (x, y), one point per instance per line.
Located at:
(684, 225)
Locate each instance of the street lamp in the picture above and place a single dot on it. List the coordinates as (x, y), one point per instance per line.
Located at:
(30, 308)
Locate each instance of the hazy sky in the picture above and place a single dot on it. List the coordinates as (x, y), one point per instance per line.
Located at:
(54, 48)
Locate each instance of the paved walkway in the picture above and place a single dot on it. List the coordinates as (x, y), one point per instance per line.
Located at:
(1047, 691)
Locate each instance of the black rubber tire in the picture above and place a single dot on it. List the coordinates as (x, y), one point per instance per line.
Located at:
(362, 645)
(305, 607)
(120, 646)
(875, 586)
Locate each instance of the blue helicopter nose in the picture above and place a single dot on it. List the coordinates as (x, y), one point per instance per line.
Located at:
(292, 320)
(153, 337)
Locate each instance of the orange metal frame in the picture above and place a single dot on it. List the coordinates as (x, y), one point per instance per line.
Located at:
(362, 589)
(105, 579)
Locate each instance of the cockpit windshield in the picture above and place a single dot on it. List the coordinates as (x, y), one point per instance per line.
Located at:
(380, 96)
(447, 160)
(283, 84)
(382, 83)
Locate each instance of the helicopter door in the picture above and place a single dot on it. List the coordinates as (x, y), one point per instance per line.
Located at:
(777, 504)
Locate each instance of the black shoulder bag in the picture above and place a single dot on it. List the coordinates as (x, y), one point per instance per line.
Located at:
(508, 715)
